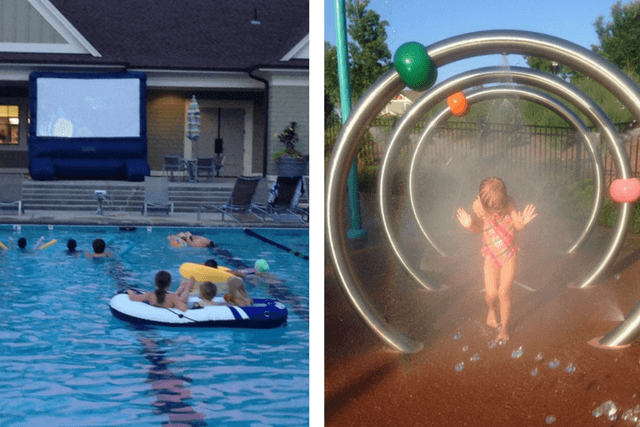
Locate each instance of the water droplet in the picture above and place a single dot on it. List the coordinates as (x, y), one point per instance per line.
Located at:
(626, 415)
(539, 357)
(491, 344)
(598, 411)
(517, 353)
(613, 417)
(465, 348)
(457, 336)
(554, 363)
(501, 342)
(570, 368)
(551, 419)
(459, 366)
(534, 372)
(475, 357)
(618, 277)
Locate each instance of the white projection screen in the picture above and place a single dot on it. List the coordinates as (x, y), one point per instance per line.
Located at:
(88, 107)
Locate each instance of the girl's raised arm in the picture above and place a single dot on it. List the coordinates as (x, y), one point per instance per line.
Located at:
(521, 219)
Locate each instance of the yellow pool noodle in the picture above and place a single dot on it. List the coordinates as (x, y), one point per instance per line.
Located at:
(46, 245)
(202, 273)
(3, 246)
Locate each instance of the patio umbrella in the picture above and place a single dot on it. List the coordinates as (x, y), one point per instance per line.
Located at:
(193, 121)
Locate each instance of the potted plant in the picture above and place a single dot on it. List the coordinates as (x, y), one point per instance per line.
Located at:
(290, 162)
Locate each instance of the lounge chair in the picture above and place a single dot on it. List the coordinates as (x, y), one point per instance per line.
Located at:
(240, 201)
(11, 192)
(283, 200)
(174, 164)
(156, 195)
(303, 208)
(205, 167)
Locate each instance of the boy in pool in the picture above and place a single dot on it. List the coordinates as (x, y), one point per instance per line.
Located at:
(208, 292)
(22, 244)
(98, 249)
(160, 297)
(187, 238)
(496, 216)
(71, 247)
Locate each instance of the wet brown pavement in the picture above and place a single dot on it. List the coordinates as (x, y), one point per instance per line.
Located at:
(366, 383)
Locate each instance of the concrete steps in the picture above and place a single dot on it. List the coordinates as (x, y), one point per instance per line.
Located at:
(122, 196)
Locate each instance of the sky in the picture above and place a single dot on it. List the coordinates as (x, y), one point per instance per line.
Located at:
(429, 21)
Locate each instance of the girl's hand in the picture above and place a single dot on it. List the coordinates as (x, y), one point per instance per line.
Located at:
(528, 214)
(464, 218)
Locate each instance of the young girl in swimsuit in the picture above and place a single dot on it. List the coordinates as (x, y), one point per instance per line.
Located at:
(496, 216)
(161, 297)
(237, 293)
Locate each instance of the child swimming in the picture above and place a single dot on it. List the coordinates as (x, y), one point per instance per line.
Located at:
(496, 216)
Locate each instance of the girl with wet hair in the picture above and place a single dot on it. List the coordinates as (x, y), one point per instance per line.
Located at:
(237, 294)
(160, 297)
(497, 218)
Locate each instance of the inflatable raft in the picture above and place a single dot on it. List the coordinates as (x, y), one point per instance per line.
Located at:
(263, 314)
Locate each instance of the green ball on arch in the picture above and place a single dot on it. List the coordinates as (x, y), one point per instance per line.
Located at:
(414, 66)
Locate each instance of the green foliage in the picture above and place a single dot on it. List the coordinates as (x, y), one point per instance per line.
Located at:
(369, 55)
(367, 178)
(331, 85)
(578, 201)
(620, 38)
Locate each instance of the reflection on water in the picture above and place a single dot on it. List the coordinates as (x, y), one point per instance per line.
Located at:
(169, 388)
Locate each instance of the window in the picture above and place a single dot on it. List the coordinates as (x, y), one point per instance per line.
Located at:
(9, 123)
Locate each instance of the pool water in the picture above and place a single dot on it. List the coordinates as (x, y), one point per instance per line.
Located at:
(66, 361)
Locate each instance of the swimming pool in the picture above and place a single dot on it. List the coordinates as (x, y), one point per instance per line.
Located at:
(66, 361)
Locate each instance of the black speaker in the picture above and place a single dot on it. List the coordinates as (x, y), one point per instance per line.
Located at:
(218, 146)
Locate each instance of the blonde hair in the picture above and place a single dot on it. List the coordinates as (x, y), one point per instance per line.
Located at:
(238, 292)
(493, 196)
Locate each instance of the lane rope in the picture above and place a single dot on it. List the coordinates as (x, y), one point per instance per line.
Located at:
(276, 244)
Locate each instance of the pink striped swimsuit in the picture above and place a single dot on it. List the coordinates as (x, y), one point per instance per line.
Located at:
(498, 238)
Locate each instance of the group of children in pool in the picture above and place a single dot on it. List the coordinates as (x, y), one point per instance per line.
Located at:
(236, 293)
(236, 290)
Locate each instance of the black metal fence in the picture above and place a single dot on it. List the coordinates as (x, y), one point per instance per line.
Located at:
(556, 151)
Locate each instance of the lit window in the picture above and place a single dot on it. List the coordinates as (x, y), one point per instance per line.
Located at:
(9, 124)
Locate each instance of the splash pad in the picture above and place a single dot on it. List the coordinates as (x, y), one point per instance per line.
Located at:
(445, 52)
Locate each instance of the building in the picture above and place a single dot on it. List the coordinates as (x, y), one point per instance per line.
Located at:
(247, 63)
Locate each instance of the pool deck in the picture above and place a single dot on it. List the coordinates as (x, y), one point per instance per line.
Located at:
(367, 383)
(136, 219)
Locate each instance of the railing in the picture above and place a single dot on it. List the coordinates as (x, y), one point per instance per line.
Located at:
(554, 151)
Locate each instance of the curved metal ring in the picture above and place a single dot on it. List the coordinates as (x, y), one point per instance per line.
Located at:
(460, 47)
(559, 88)
(475, 78)
(510, 91)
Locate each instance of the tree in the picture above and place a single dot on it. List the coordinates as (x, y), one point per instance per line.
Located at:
(620, 38)
(331, 85)
(549, 67)
(369, 55)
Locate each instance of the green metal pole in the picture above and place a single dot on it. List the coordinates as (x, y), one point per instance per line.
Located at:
(356, 231)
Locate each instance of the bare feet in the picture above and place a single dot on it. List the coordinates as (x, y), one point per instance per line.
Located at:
(491, 319)
(502, 335)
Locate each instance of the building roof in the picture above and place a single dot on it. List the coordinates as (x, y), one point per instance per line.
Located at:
(186, 35)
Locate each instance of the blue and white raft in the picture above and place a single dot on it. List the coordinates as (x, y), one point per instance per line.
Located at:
(263, 314)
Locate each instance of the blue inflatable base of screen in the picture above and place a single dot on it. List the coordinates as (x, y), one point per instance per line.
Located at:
(87, 158)
(47, 168)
